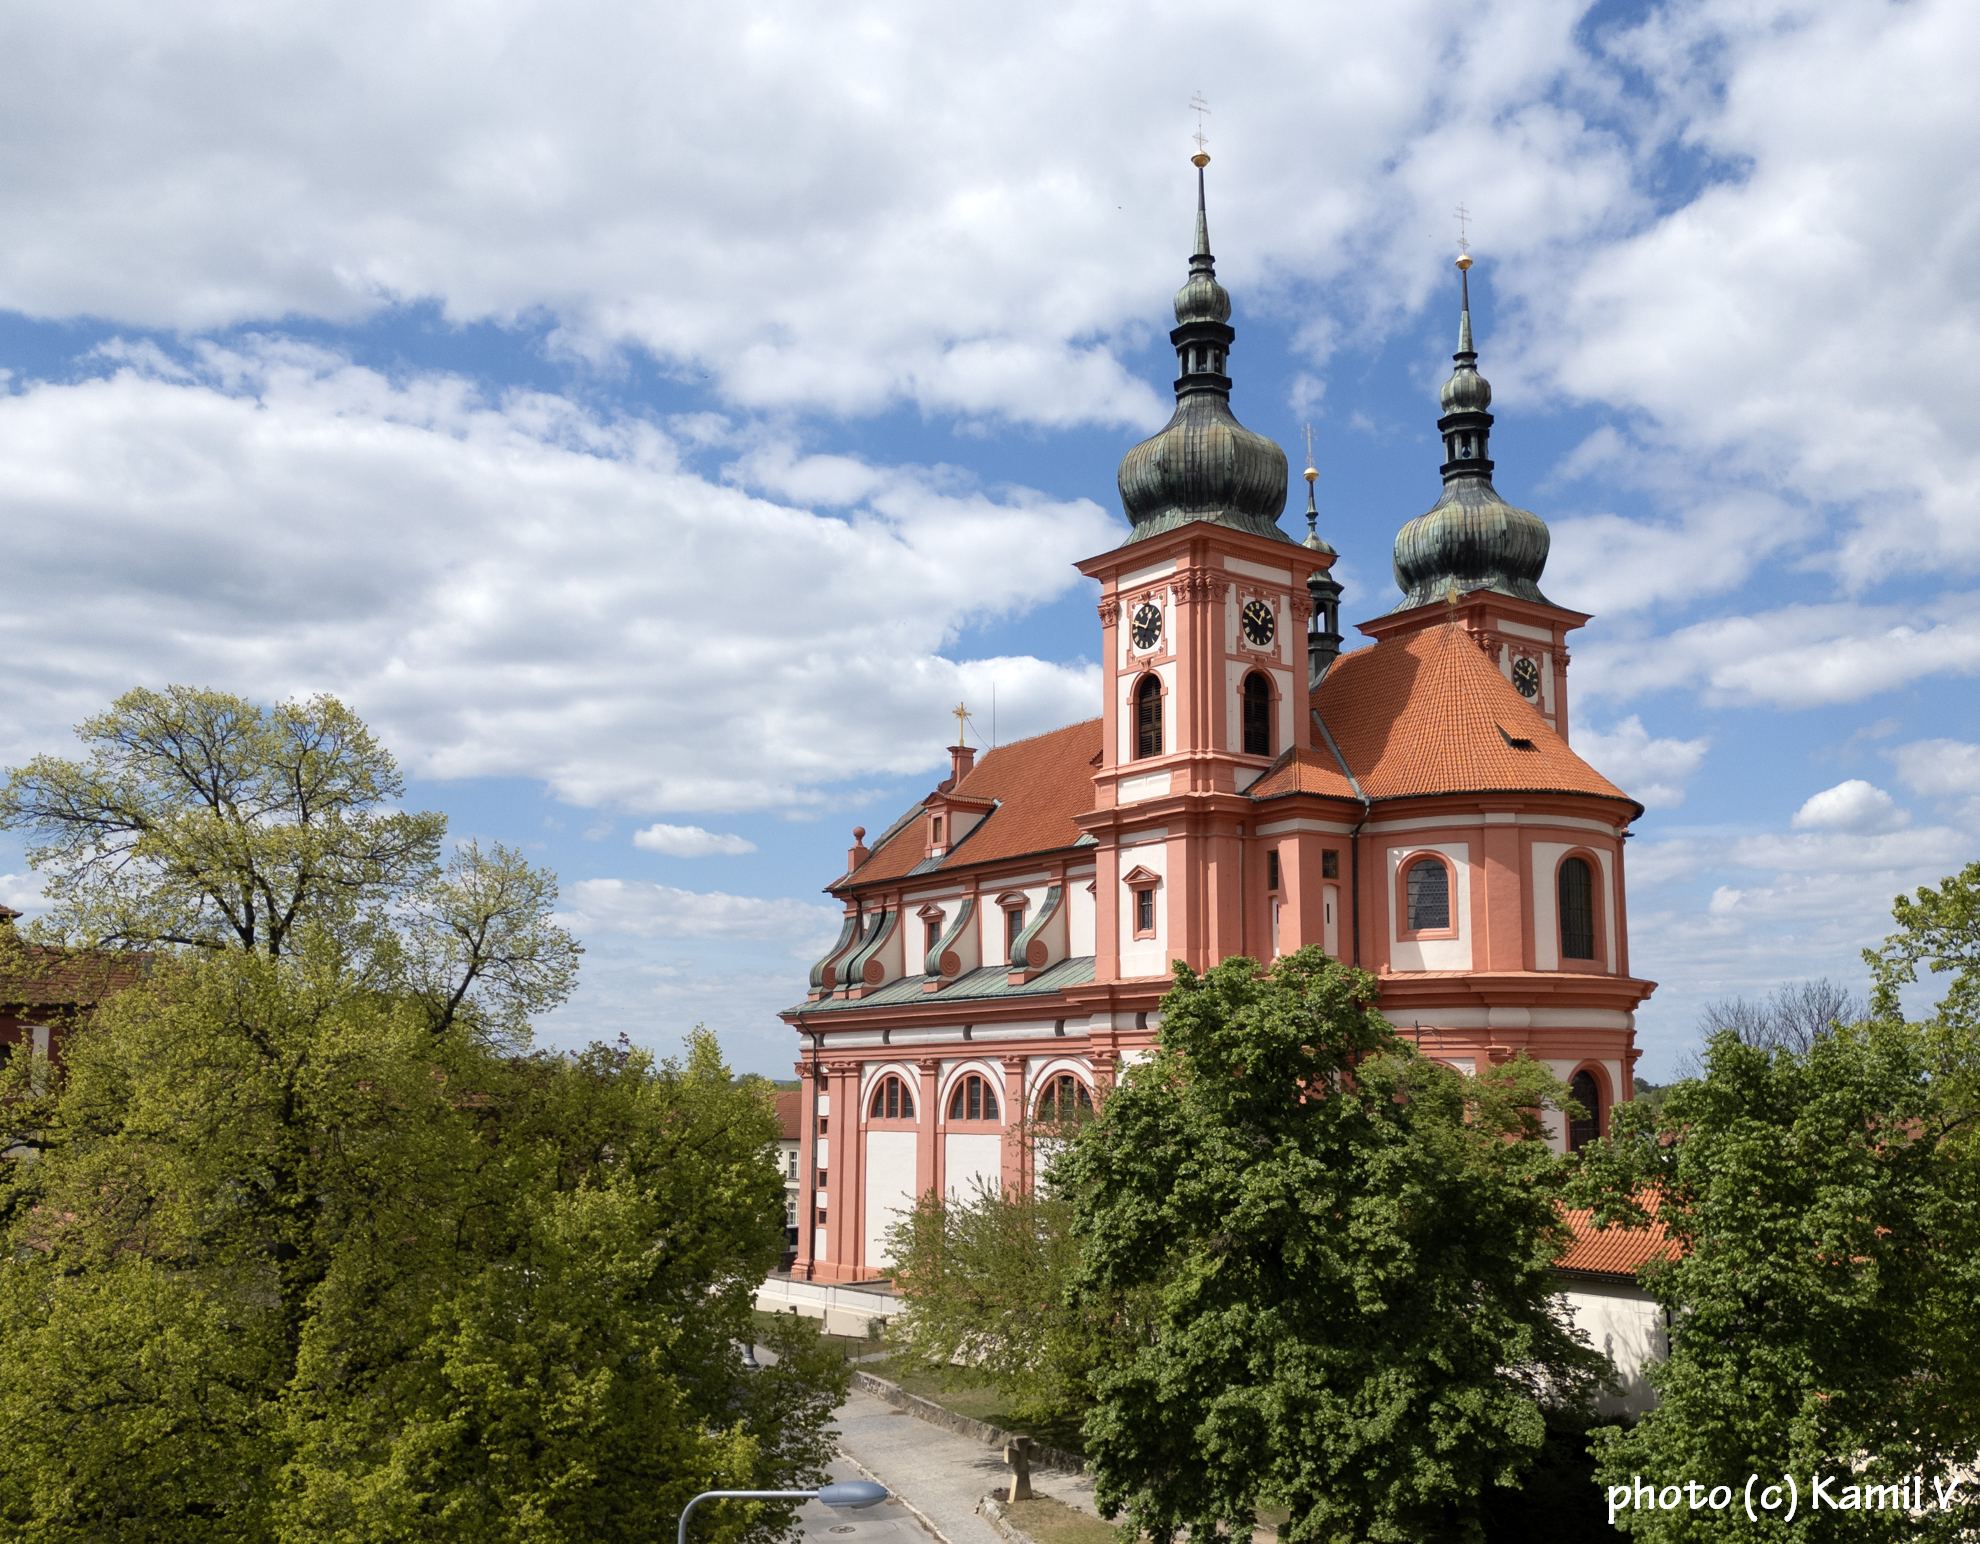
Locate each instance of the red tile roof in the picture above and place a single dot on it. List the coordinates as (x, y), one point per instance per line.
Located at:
(790, 1113)
(1615, 1251)
(1040, 785)
(38, 977)
(1430, 713)
(1311, 771)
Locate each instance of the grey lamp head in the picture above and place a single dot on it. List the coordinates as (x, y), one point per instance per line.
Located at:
(853, 1493)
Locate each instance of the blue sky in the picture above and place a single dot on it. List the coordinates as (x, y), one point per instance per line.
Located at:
(652, 421)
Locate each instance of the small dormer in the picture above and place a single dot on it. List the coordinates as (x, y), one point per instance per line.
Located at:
(947, 815)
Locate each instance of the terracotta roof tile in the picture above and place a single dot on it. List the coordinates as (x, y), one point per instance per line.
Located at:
(1615, 1251)
(1303, 771)
(790, 1113)
(1429, 713)
(1041, 785)
(38, 977)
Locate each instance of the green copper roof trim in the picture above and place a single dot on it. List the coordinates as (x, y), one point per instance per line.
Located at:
(931, 964)
(986, 983)
(1047, 909)
(883, 929)
(821, 972)
(1203, 467)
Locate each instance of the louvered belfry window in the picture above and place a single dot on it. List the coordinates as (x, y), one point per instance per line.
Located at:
(1148, 718)
(1577, 893)
(1257, 715)
(1429, 896)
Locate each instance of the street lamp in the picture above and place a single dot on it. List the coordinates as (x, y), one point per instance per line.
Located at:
(841, 1493)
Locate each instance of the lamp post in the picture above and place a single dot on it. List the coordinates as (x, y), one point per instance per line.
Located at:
(844, 1494)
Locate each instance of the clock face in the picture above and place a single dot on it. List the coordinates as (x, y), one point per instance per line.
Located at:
(1146, 630)
(1526, 676)
(1258, 625)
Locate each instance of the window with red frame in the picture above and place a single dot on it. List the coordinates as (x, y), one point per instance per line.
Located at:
(973, 1099)
(1063, 1097)
(891, 1100)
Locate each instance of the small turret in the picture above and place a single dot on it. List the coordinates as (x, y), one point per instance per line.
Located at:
(1323, 628)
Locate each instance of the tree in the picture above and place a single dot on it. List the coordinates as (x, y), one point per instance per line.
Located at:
(296, 1268)
(985, 1285)
(1825, 1198)
(1325, 1262)
(1939, 928)
(200, 820)
(1793, 1016)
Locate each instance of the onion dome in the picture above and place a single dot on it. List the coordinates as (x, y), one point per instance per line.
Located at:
(1204, 465)
(1470, 539)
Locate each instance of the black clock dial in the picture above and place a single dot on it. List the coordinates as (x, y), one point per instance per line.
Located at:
(1258, 623)
(1526, 676)
(1146, 631)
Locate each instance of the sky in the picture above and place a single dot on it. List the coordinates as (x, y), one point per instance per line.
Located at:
(653, 419)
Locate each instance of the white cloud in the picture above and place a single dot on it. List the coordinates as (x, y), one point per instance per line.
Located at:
(655, 911)
(1654, 771)
(21, 891)
(691, 841)
(1806, 317)
(1939, 769)
(1854, 806)
(1794, 656)
(518, 586)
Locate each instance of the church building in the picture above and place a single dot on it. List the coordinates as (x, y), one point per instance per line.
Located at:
(1412, 806)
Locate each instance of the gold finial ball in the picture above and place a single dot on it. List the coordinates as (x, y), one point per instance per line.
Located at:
(1464, 261)
(1200, 159)
(1311, 474)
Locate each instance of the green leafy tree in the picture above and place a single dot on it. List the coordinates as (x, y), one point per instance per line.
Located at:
(203, 821)
(985, 1281)
(310, 1250)
(294, 1267)
(1826, 1200)
(1326, 1266)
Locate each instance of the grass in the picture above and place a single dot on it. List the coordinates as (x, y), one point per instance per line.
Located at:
(1053, 1522)
(979, 1401)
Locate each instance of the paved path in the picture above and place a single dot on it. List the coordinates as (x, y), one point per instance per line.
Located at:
(940, 1474)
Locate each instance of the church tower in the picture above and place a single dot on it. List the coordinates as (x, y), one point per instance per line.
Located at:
(1476, 559)
(1203, 612)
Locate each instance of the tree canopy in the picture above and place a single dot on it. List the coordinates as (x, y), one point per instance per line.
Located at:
(201, 820)
(1825, 1194)
(1323, 1266)
(311, 1247)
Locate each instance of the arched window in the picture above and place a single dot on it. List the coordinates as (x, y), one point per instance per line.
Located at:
(1577, 896)
(1427, 888)
(1586, 1127)
(1257, 715)
(1147, 717)
(1063, 1097)
(891, 1100)
(973, 1099)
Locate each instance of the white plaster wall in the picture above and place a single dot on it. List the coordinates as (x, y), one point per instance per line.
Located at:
(1149, 785)
(1330, 919)
(972, 1157)
(1540, 885)
(1144, 956)
(889, 1187)
(1432, 953)
(1624, 1323)
(1080, 921)
(1124, 700)
(1564, 1068)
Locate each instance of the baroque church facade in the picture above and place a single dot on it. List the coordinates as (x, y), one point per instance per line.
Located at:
(1412, 806)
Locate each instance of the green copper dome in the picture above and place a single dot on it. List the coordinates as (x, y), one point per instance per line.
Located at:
(1204, 465)
(1470, 539)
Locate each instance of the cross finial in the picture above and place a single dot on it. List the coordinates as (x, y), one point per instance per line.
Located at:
(1464, 231)
(1198, 106)
(961, 715)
